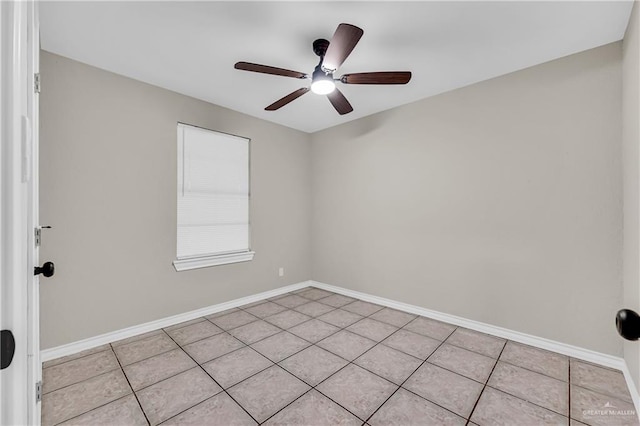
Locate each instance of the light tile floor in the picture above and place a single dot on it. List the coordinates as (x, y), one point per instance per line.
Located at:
(316, 358)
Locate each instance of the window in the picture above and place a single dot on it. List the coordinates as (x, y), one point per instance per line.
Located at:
(213, 198)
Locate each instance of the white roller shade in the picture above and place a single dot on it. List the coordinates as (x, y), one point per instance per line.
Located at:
(213, 193)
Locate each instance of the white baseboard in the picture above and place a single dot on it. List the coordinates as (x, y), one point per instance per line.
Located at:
(588, 355)
(610, 361)
(562, 348)
(635, 396)
(92, 342)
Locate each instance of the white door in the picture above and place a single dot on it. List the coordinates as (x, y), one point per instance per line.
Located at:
(19, 314)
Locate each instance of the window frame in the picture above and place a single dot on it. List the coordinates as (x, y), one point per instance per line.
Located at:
(212, 259)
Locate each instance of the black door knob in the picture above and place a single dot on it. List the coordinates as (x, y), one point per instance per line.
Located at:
(7, 348)
(628, 324)
(47, 269)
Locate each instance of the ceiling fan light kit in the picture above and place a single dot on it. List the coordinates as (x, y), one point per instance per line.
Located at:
(332, 54)
(321, 82)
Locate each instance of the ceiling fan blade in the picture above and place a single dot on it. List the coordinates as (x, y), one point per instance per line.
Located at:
(290, 97)
(339, 102)
(384, 77)
(342, 43)
(265, 69)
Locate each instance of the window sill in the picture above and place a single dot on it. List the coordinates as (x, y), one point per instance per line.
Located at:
(215, 260)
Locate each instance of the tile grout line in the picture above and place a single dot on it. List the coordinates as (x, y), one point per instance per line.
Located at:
(267, 316)
(351, 362)
(530, 370)
(568, 383)
(163, 353)
(456, 373)
(83, 380)
(523, 368)
(187, 409)
(485, 385)
(312, 387)
(257, 318)
(204, 319)
(287, 405)
(408, 377)
(376, 342)
(130, 387)
(216, 382)
(96, 408)
(336, 332)
(602, 394)
(210, 320)
(76, 359)
(88, 378)
(310, 345)
(339, 356)
(252, 374)
(303, 322)
(508, 362)
(227, 331)
(235, 350)
(179, 326)
(219, 356)
(174, 375)
(505, 362)
(480, 353)
(97, 375)
(525, 400)
(137, 341)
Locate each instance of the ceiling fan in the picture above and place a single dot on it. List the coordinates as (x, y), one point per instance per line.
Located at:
(332, 54)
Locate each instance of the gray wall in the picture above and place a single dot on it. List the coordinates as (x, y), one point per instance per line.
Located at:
(500, 202)
(631, 179)
(108, 188)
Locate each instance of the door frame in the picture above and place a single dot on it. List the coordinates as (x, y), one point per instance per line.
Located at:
(19, 296)
(33, 211)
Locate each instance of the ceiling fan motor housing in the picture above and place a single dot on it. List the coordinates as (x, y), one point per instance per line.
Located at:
(320, 47)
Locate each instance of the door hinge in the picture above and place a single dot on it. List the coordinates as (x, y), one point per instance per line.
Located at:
(37, 233)
(36, 82)
(39, 391)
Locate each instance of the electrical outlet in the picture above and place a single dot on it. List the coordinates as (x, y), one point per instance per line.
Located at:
(281, 272)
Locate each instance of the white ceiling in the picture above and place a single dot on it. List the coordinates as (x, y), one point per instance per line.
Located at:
(191, 47)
